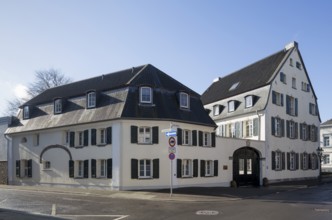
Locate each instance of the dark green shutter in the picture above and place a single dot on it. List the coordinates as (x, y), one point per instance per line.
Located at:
(155, 135)
(156, 168)
(109, 168)
(30, 168)
(72, 139)
(86, 169)
(215, 167)
(213, 137)
(296, 130)
(134, 134)
(18, 168)
(71, 168)
(309, 161)
(283, 160)
(273, 159)
(93, 168)
(301, 131)
(179, 135)
(274, 97)
(273, 126)
(109, 135)
(297, 161)
(296, 107)
(202, 168)
(301, 161)
(194, 141)
(195, 164)
(93, 137)
(134, 168)
(288, 161)
(200, 138)
(287, 129)
(282, 127)
(288, 105)
(178, 168)
(86, 138)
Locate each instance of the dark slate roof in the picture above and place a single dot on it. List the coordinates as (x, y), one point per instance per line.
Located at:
(118, 97)
(327, 123)
(249, 78)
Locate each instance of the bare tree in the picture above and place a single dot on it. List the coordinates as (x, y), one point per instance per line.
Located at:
(44, 79)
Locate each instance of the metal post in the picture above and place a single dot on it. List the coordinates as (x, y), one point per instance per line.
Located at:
(171, 179)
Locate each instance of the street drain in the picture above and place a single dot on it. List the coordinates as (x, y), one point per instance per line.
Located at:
(322, 210)
(207, 212)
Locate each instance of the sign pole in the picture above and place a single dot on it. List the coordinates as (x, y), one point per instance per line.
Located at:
(171, 184)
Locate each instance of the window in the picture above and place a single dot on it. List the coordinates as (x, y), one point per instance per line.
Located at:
(313, 133)
(145, 169)
(102, 136)
(145, 95)
(326, 159)
(314, 161)
(36, 139)
(80, 168)
(234, 86)
(23, 168)
(102, 168)
(298, 65)
(277, 127)
(46, 165)
(206, 139)
(217, 110)
(283, 77)
(209, 168)
(91, 99)
(26, 112)
(312, 109)
(326, 141)
(144, 135)
(57, 106)
(305, 87)
(249, 128)
(231, 106)
(278, 160)
(304, 131)
(294, 83)
(186, 137)
(186, 168)
(291, 62)
(292, 161)
(292, 129)
(80, 138)
(305, 161)
(277, 98)
(291, 106)
(184, 100)
(249, 101)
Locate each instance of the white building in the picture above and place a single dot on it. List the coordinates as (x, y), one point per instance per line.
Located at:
(326, 145)
(4, 123)
(273, 101)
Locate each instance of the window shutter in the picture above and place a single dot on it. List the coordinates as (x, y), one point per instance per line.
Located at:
(156, 169)
(287, 129)
(256, 127)
(273, 160)
(200, 138)
(288, 161)
(134, 168)
(155, 135)
(273, 126)
(194, 136)
(109, 135)
(109, 168)
(179, 135)
(296, 130)
(93, 168)
(301, 131)
(215, 167)
(213, 139)
(178, 168)
(282, 127)
(274, 97)
(296, 107)
(18, 168)
(93, 136)
(309, 161)
(309, 132)
(287, 104)
(202, 168)
(195, 164)
(71, 169)
(86, 137)
(86, 169)
(72, 139)
(134, 130)
(283, 161)
(301, 161)
(30, 168)
(297, 161)
(282, 99)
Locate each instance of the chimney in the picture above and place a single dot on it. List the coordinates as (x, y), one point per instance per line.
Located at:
(291, 45)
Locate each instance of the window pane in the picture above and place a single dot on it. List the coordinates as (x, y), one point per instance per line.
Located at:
(241, 166)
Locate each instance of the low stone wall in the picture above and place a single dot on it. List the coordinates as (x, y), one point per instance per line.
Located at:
(3, 172)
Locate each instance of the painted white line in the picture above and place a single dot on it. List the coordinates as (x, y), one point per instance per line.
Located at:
(3, 201)
(53, 213)
(117, 217)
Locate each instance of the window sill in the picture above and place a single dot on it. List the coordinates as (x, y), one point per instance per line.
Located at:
(187, 177)
(142, 104)
(145, 143)
(145, 178)
(101, 145)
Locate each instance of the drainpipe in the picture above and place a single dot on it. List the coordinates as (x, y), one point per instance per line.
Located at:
(259, 125)
(9, 158)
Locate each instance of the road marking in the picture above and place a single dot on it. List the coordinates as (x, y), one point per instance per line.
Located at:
(322, 210)
(207, 212)
(117, 217)
(3, 201)
(53, 213)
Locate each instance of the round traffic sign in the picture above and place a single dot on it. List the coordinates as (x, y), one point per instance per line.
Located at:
(171, 141)
(171, 156)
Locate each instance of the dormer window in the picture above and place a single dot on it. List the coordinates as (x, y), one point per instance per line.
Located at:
(231, 106)
(145, 95)
(184, 100)
(91, 100)
(248, 101)
(298, 65)
(58, 106)
(26, 112)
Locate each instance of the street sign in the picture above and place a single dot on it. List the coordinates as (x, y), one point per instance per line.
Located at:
(171, 156)
(171, 141)
(171, 133)
(172, 150)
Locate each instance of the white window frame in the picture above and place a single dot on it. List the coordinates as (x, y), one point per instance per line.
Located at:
(187, 137)
(144, 135)
(304, 132)
(209, 168)
(145, 169)
(80, 137)
(58, 106)
(312, 109)
(79, 165)
(292, 130)
(187, 168)
(292, 109)
(293, 82)
(231, 106)
(305, 161)
(26, 112)
(146, 95)
(184, 100)
(283, 78)
(207, 139)
(313, 133)
(91, 99)
(314, 161)
(326, 141)
(101, 168)
(249, 101)
(292, 161)
(278, 98)
(102, 136)
(216, 110)
(326, 159)
(250, 128)
(46, 165)
(278, 160)
(277, 127)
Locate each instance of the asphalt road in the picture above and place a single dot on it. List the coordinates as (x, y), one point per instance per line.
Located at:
(301, 203)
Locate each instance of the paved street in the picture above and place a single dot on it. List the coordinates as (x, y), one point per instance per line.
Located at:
(275, 202)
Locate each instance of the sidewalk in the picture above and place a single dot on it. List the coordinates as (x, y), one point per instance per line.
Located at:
(190, 194)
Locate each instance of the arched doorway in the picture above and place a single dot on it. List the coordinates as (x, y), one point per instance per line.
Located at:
(246, 166)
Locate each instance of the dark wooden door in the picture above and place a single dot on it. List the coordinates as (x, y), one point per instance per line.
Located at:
(246, 167)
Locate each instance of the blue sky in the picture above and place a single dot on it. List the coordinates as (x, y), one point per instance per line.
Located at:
(194, 41)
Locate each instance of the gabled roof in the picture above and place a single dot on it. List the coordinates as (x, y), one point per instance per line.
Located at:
(249, 78)
(327, 123)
